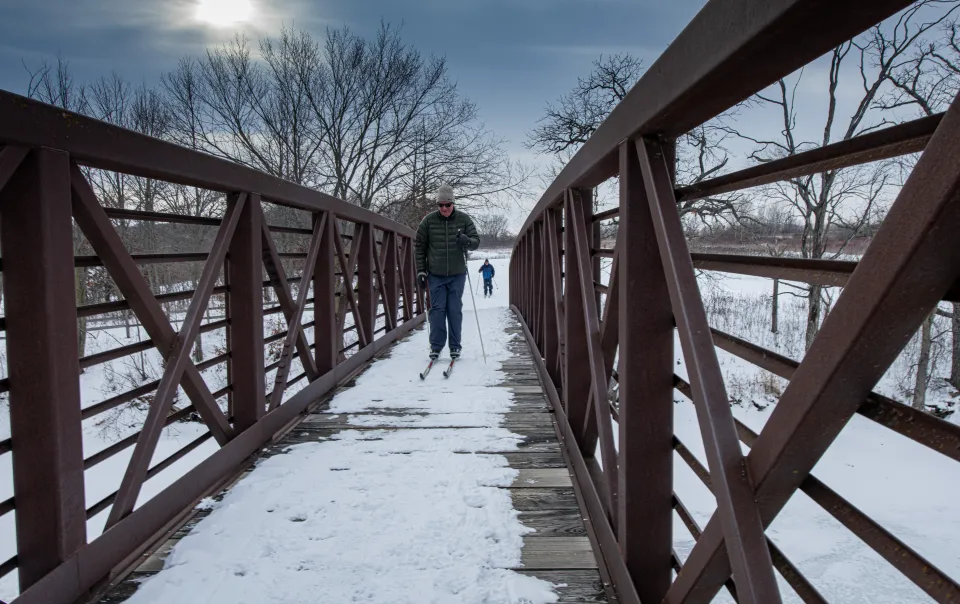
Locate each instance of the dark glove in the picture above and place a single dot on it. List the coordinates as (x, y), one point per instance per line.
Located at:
(422, 280)
(463, 241)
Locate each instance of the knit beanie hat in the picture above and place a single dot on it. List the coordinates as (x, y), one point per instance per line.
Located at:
(444, 194)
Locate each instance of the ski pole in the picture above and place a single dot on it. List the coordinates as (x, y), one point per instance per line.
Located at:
(475, 315)
(426, 307)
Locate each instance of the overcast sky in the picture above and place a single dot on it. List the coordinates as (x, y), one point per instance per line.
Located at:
(509, 56)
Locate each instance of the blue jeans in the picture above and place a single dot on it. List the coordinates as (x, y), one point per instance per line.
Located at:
(446, 305)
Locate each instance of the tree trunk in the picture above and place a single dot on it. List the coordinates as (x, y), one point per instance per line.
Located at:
(81, 286)
(198, 349)
(814, 306)
(775, 305)
(923, 364)
(955, 358)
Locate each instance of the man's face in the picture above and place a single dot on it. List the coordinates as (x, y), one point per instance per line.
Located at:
(446, 208)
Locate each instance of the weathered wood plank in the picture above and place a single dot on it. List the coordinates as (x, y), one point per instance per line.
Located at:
(580, 586)
(526, 389)
(554, 523)
(543, 478)
(556, 553)
(526, 460)
(543, 499)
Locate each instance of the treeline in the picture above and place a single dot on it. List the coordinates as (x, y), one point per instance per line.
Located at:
(371, 121)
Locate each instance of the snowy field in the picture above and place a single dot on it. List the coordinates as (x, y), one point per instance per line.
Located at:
(909, 489)
(383, 516)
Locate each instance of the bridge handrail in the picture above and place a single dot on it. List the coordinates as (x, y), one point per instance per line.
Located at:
(46, 201)
(582, 324)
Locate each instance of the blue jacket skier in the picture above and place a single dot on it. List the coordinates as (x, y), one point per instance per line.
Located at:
(486, 269)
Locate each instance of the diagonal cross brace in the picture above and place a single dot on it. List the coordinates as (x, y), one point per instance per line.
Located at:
(347, 268)
(908, 267)
(278, 278)
(609, 336)
(598, 383)
(379, 261)
(294, 326)
(739, 514)
(555, 286)
(177, 361)
(99, 231)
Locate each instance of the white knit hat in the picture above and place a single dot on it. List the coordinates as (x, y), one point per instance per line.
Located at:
(444, 194)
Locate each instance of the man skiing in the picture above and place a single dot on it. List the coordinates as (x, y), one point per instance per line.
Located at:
(486, 269)
(443, 238)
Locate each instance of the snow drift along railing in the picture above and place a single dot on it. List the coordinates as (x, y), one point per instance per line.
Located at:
(55, 169)
(731, 50)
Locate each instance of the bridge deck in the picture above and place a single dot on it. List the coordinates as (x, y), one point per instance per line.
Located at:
(557, 551)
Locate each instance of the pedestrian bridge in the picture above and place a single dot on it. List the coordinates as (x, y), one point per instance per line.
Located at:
(280, 446)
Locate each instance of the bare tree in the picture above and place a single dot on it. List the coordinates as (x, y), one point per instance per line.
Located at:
(570, 122)
(55, 85)
(927, 81)
(395, 126)
(492, 228)
(923, 363)
(370, 121)
(837, 205)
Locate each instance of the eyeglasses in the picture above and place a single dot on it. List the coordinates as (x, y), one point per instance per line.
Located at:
(445, 205)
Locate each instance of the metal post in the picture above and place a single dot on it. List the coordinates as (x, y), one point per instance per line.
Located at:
(577, 387)
(325, 337)
(245, 314)
(646, 392)
(40, 301)
(367, 297)
(390, 301)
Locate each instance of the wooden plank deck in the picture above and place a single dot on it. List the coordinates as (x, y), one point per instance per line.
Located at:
(559, 551)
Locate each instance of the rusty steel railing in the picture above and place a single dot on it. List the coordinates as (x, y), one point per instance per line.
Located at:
(44, 194)
(731, 50)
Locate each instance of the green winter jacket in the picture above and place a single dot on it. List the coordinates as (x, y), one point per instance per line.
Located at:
(436, 247)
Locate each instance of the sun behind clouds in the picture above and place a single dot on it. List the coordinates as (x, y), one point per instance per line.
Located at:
(223, 13)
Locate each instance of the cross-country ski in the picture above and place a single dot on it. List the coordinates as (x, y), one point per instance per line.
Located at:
(423, 374)
(449, 368)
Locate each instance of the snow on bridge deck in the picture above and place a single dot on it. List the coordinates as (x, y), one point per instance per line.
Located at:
(398, 490)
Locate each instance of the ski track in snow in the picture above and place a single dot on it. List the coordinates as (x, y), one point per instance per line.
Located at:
(377, 516)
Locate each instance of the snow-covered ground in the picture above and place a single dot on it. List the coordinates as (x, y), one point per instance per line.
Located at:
(381, 516)
(909, 489)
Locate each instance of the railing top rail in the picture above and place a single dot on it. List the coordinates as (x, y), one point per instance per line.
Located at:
(102, 145)
(730, 50)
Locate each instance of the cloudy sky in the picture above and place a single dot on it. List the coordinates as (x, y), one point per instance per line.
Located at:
(509, 56)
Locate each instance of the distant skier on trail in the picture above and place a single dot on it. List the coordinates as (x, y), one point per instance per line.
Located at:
(443, 238)
(487, 270)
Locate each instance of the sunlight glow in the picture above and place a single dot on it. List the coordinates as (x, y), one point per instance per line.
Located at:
(223, 13)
